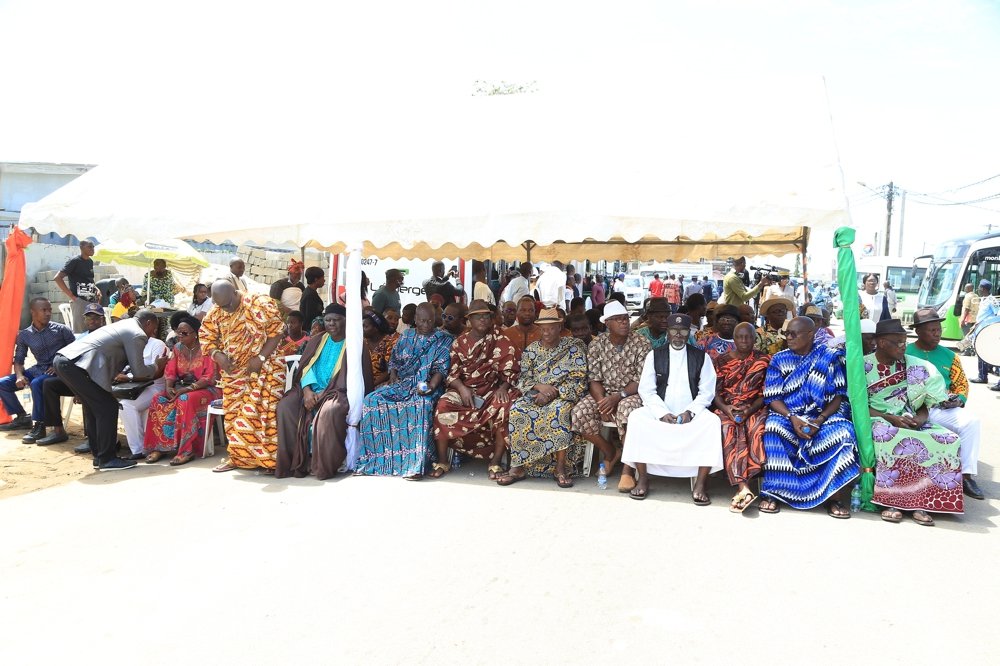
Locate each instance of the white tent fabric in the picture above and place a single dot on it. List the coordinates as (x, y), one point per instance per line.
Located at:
(710, 170)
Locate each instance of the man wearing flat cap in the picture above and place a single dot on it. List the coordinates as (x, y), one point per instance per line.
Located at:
(673, 433)
(952, 413)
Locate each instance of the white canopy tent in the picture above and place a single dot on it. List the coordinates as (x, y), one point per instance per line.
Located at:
(679, 170)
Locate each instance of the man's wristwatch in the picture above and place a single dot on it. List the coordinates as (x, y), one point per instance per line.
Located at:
(263, 359)
(623, 394)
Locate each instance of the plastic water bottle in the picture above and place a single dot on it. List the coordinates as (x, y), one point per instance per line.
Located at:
(602, 478)
(856, 498)
(456, 460)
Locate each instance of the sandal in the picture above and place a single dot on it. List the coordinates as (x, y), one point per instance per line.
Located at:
(225, 466)
(438, 470)
(768, 505)
(836, 510)
(564, 480)
(741, 501)
(154, 457)
(510, 479)
(924, 520)
(626, 483)
(181, 459)
(892, 515)
(638, 493)
(413, 477)
(705, 500)
(494, 471)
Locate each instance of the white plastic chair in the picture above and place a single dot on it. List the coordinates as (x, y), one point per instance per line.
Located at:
(66, 310)
(219, 422)
(291, 365)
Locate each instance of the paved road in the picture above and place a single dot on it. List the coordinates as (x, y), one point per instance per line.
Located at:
(159, 565)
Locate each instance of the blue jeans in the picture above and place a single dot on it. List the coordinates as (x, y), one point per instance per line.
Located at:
(8, 394)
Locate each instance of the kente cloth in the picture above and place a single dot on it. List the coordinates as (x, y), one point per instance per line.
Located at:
(397, 422)
(290, 347)
(538, 431)
(521, 336)
(914, 469)
(740, 382)
(769, 340)
(614, 367)
(654, 342)
(482, 365)
(249, 400)
(674, 449)
(314, 441)
(804, 473)
(715, 345)
(948, 364)
(179, 424)
(381, 353)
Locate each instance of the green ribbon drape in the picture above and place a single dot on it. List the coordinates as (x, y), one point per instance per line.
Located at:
(857, 385)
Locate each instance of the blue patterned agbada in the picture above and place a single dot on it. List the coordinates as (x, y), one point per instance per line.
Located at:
(396, 421)
(806, 472)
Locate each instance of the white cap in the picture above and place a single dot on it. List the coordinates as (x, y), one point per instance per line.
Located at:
(612, 309)
(867, 325)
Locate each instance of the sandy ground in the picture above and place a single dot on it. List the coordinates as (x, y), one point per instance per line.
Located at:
(164, 565)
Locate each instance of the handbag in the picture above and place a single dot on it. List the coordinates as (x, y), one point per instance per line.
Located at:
(129, 390)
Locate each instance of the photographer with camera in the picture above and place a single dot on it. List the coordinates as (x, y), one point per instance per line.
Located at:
(734, 292)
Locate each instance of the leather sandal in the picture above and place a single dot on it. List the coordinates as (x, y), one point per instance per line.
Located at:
(153, 457)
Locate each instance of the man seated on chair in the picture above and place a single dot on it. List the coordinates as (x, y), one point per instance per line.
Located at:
(614, 364)
(809, 443)
(312, 415)
(674, 433)
(44, 338)
(54, 388)
(472, 415)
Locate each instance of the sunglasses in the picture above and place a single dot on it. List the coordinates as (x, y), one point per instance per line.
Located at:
(448, 317)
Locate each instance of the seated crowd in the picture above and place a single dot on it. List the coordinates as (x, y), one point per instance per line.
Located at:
(686, 391)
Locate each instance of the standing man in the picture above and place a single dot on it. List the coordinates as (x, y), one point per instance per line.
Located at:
(890, 296)
(950, 414)
(241, 334)
(674, 433)
(693, 288)
(551, 285)
(44, 338)
(82, 289)
(656, 287)
(287, 292)
(89, 367)
(987, 312)
(520, 285)
(706, 289)
(235, 277)
(597, 294)
(734, 292)
(388, 295)
(480, 287)
(438, 283)
(672, 292)
(970, 308)
(311, 303)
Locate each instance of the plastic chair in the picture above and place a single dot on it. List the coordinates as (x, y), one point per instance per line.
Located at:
(218, 414)
(66, 310)
(291, 365)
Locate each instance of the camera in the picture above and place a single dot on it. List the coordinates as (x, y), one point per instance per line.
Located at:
(773, 273)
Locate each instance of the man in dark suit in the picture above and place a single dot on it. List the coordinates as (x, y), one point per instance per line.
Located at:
(89, 366)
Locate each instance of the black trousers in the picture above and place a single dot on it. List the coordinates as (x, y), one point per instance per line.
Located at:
(100, 408)
(52, 390)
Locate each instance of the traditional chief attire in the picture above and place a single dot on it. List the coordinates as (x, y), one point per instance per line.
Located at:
(536, 432)
(521, 337)
(739, 383)
(314, 441)
(914, 469)
(959, 420)
(396, 421)
(482, 365)
(674, 381)
(614, 367)
(804, 473)
(715, 345)
(249, 401)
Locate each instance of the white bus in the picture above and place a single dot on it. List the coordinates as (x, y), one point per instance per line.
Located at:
(954, 264)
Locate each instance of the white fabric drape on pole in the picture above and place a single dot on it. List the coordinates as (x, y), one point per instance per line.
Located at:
(355, 344)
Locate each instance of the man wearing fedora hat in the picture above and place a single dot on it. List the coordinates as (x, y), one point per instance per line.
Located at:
(770, 336)
(674, 433)
(951, 413)
(614, 363)
(918, 467)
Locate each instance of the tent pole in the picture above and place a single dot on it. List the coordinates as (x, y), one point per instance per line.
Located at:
(528, 246)
(806, 297)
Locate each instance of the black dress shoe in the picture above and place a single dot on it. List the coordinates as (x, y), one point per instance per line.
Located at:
(972, 489)
(22, 422)
(977, 380)
(54, 438)
(995, 387)
(83, 447)
(37, 433)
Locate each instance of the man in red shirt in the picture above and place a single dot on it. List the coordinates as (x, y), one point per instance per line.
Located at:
(672, 292)
(656, 287)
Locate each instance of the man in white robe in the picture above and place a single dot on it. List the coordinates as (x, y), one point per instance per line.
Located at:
(674, 433)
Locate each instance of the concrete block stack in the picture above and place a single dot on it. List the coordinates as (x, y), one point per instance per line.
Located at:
(268, 266)
(44, 285)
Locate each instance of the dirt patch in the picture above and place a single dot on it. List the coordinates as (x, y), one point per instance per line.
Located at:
(25, 468)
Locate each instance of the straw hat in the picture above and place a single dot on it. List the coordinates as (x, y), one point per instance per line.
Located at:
(771, 301)
(549, 316)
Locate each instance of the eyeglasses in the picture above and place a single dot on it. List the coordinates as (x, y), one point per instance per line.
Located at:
(897, 345)
(791, 335)
(448, 317)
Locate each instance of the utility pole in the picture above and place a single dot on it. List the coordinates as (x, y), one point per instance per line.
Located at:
(902, 213)
(888, 216)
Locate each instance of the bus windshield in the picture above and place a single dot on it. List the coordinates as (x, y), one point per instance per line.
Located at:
(939, 283)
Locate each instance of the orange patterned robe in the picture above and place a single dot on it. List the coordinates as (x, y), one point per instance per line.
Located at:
(248, 400)
(739, 382)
